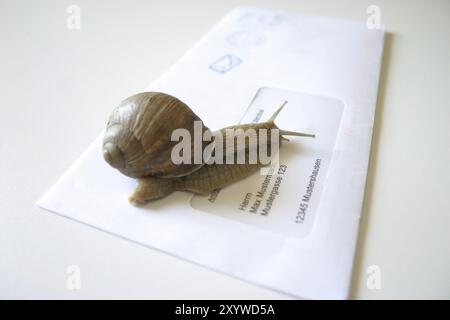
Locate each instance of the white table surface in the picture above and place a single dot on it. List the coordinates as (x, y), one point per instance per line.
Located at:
(58, 87)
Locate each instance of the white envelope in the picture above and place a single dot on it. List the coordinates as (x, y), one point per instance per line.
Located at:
(328, 70)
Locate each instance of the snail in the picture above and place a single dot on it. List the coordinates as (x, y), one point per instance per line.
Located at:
(139, 142)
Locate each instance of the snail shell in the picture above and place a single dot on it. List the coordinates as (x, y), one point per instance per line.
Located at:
(137, 140)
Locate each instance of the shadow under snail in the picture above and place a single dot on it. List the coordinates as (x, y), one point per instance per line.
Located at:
(138, 142)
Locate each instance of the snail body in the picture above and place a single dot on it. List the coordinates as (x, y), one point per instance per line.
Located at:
(203, 182)
(138, 143)
(208, 178)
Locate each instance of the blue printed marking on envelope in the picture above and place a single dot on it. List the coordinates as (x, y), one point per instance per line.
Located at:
(225, 64)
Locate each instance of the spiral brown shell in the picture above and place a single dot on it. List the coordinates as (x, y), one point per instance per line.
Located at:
(138, 135)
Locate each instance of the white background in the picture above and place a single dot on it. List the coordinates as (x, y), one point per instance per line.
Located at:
(58, 87)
